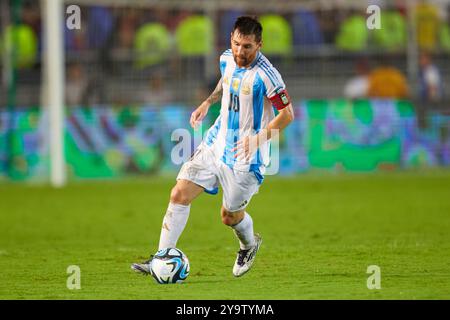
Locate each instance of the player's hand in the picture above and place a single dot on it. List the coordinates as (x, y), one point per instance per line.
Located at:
(246, 147)
(198, 115)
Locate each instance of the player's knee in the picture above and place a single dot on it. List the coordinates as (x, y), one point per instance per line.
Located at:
(228, 220)
(179, 196)
(231, 218)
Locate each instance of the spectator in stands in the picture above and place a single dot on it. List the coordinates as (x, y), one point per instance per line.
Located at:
(31, 16)
(358, 86)
(127, 26)
(152, 45)
(159, 93)
(23, 40)
(328, 24)
(353, 34)
(431, 88)
(227, 19)
(428, 23)
(306, 29)
(444, 37)
(393, 34)
(277, 37)
(76, 85)
(194, 36)
(100, 26)
(194, 39)
(175, 17)
(386, 81)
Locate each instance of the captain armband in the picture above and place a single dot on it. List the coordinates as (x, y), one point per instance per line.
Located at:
(280, 99)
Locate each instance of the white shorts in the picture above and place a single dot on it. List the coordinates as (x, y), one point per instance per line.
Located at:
(208, 172)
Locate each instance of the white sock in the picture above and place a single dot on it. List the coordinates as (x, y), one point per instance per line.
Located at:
(173, 225)
(244, 231)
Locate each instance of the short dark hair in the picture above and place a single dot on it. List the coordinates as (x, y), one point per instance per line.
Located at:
(247, 25)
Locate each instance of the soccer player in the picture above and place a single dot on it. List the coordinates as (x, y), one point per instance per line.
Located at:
(235, 150)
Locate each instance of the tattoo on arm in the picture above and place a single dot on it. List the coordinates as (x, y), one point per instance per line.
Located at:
(215, 96)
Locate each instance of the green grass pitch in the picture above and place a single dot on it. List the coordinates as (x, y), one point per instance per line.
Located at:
(320, 234)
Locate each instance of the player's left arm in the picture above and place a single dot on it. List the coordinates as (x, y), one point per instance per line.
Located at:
(281, 121)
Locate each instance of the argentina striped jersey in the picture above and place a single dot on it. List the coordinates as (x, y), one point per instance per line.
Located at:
(245, 110)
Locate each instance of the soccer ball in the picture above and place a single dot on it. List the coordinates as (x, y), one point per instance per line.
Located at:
(169, 265)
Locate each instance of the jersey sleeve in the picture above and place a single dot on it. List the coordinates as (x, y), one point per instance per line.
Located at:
(272, 81)
(223, 60)
(275, 87)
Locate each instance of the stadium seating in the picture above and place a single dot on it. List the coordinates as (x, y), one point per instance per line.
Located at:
(151, 44)
(277, 35)
(353, 34)
(194, 36)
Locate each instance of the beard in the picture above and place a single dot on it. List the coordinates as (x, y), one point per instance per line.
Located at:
(241, 61)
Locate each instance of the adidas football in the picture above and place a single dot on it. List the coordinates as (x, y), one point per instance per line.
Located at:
(169, 265)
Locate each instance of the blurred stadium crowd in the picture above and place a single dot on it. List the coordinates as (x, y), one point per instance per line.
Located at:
(155, 55)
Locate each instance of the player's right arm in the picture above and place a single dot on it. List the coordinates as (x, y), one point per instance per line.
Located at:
(200, 113)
